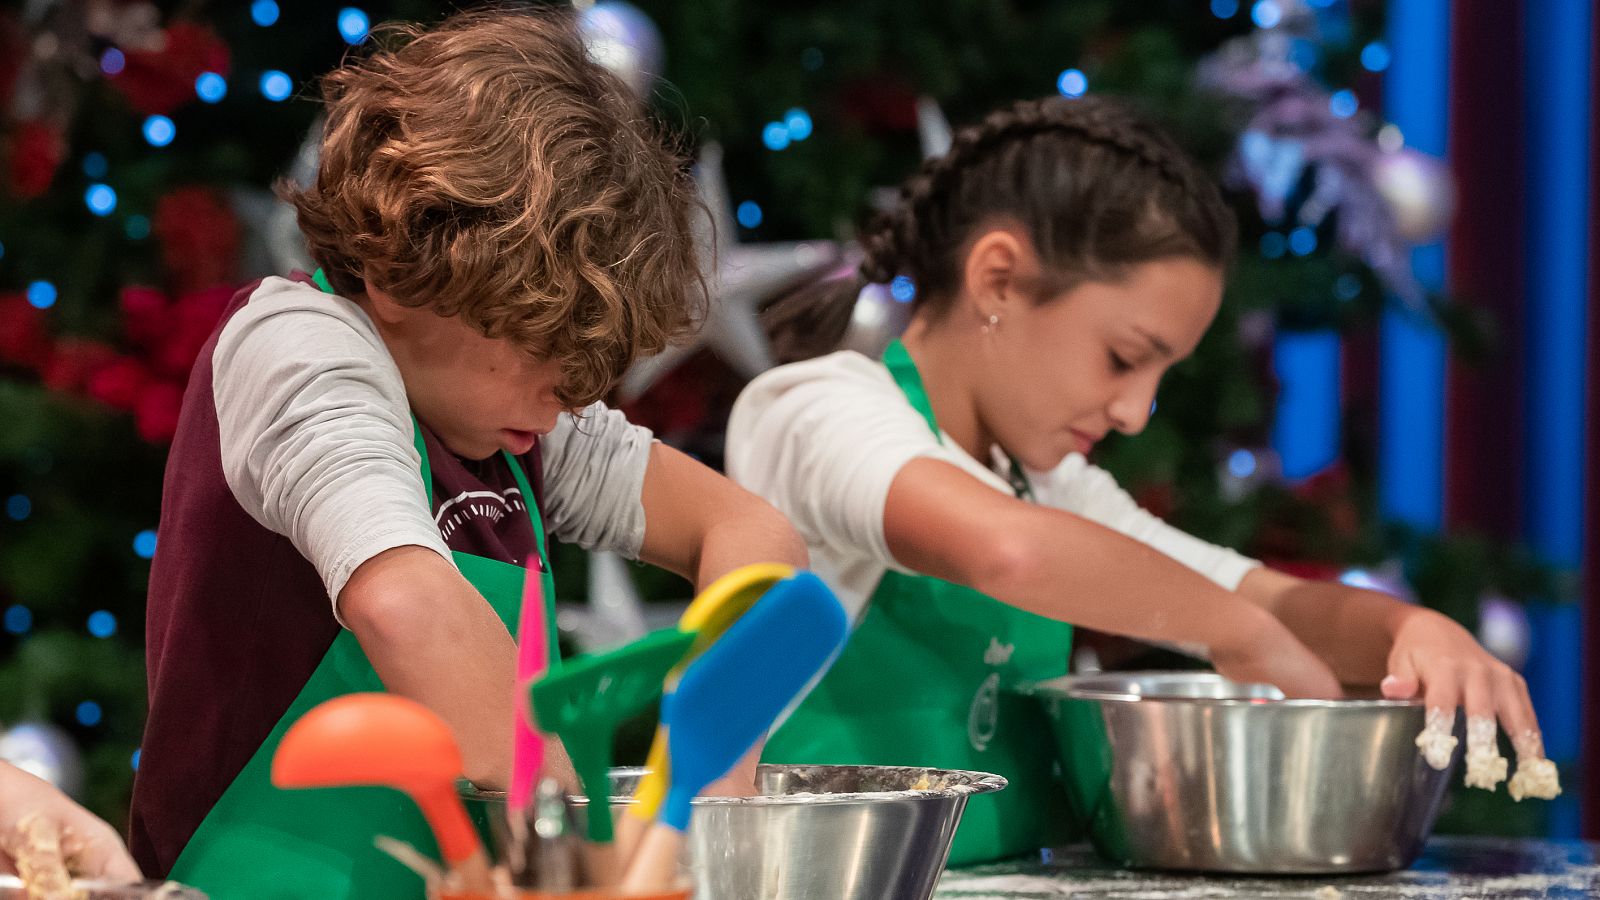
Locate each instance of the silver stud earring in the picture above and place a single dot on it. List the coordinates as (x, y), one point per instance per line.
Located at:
(992, 325)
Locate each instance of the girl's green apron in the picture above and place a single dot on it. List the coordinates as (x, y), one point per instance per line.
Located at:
(262, 842)
(925, 681)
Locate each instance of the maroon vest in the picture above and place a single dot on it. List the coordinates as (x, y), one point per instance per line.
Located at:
(238, 620)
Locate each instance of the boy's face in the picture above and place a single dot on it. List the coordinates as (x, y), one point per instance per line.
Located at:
(479, 395)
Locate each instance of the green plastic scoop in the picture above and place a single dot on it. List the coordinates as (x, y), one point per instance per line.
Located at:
(585, 700)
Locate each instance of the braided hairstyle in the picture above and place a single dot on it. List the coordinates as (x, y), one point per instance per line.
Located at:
(1095, 187)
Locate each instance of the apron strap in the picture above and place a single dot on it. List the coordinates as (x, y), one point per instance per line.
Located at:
(897, 359)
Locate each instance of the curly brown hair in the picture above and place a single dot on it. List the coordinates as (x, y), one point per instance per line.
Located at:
(486, 168)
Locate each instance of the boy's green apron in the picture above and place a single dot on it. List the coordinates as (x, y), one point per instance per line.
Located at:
(925, 681)
(262, 842)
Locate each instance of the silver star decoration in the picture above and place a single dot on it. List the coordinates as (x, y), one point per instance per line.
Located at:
(740, 278)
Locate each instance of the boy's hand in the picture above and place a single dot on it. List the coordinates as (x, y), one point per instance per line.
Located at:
(1264, 651)
(90, 847)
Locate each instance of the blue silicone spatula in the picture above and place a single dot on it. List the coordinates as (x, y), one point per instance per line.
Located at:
(727, 700)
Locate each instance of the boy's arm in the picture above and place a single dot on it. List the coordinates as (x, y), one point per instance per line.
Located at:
(701, 525)
(432, 637)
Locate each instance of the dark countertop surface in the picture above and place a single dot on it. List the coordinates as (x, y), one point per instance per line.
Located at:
(1479, 868)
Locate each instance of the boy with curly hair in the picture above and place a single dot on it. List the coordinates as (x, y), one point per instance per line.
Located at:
(368, 456)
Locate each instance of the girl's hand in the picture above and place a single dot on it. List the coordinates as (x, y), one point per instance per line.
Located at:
(1264, 651)
(1434, 655)
(91, 847)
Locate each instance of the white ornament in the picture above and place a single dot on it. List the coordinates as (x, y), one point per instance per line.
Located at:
(743, 278)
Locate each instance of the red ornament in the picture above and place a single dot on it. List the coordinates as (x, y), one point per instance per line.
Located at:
(159, 81)
(147, 315)
(199, 237)
(880, 105)
(194, 317)
(119, 383)
(74, 361)
(36, 152)
(24, 340)
(156, 414)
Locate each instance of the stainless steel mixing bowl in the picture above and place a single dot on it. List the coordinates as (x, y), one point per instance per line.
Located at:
(818, 832)
(1190, 771)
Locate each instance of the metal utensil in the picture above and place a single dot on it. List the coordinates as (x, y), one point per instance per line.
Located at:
(1190, 771)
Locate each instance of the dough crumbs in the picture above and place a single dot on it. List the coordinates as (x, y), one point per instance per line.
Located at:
(1436, 742)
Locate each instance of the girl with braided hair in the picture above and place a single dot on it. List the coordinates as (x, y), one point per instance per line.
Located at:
(1065, 254)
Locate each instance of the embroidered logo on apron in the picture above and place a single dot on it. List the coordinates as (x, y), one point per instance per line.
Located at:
(983, 716)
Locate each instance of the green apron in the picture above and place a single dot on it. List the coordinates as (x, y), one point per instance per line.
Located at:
(926, 680)
(260, 842)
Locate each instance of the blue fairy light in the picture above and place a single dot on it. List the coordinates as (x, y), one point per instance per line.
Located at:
(101, 199)
(1302, 241)
(133, 761)
(95, 165)
(1274, 244)
(264, 12)
(18, 619)
(798, 121)
(102, 624)
(1375, 57)
(1224, 9)
(89, 713)
(1072, 83)
(211, 87)
(18, 507)
(159, 131)
(275, 85)
(41, 294)
(903, 289)
(1343, 103)
(1348, 287)
(112, 61)
(749, 214)
(1266, 13)
(137, 228)
(353, 25)
(1242, 463)
(775, 136)
(144, 544)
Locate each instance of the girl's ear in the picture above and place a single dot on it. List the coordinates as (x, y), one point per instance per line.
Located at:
(996, 264)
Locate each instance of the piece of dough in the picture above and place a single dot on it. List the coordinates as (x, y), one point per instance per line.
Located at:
(1536, 776)
(1436, 742)
(1486, 768)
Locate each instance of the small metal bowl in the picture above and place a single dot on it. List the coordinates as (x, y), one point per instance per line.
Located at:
(817, 832)
(11, 889)
(1190, 771)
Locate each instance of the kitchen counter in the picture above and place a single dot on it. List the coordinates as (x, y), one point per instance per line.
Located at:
(1479, 868)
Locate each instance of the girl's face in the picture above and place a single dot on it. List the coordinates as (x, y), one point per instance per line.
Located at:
(1061, 374)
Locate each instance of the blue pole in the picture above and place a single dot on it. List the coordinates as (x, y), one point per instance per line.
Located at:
(1305, 427)
(1557, 93)
(1412, 349)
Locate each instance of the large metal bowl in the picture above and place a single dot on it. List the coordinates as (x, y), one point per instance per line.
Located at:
(1189, 771)
(817, 832)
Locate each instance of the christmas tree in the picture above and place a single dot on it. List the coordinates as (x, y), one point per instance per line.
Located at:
(140, 143)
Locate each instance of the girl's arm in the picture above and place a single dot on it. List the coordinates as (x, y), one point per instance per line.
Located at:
(1371, 638)
(943, 522)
